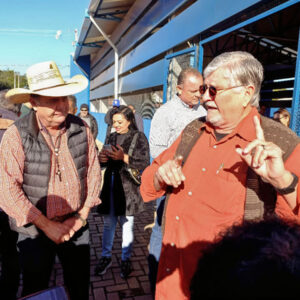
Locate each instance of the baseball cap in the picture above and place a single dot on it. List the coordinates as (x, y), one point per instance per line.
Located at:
(116, 103)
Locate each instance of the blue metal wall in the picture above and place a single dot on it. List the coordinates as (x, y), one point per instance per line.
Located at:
(197, 18)
(145, 78)
(186, 25)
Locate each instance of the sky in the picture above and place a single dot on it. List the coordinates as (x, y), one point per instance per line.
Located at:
(33, 31)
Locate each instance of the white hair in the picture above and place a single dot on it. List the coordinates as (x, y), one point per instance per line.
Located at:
(244, 68)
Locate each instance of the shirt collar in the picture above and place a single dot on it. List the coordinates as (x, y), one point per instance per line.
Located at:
(245, 128)
(177, 99)
(41, 126)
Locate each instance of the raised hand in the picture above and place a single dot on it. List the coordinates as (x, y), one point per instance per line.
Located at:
(265, 158)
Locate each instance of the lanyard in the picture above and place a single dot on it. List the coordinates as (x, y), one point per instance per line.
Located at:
(56, 148)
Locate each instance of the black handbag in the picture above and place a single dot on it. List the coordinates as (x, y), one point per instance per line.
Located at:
(135, 174)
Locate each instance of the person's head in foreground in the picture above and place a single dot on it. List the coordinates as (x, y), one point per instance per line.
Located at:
(231, 88)
(123, 119)
(283, 116)
(253, 260)
(48, 93)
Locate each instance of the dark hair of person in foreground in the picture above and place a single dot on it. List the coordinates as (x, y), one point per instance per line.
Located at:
(253, 260)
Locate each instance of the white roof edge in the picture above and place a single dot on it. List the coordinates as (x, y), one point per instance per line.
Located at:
(93, 6)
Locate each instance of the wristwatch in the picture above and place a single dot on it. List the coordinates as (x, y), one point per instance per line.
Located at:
(289, 189)
(81, 218)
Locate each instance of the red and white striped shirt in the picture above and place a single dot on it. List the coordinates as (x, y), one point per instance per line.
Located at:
(63, 196)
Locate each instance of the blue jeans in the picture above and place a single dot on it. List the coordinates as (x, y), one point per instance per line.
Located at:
(155, 243)
(110, 223)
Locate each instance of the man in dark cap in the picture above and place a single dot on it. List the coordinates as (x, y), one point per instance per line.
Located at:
(89, 119)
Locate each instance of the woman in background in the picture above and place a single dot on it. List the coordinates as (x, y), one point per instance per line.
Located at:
(120, 195)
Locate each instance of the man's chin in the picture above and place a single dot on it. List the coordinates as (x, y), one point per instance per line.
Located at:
(59, 118)
(215, 121)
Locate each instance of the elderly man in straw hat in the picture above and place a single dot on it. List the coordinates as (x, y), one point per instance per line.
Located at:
(49, 180)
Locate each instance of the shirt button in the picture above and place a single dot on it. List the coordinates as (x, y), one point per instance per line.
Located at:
(172, 244)
(203, 169)
(214, 146)
(177, 218)
(167, 269)
(190, 193)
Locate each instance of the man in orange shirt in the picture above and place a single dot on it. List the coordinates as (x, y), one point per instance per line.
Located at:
(235, 170)
(49, 179)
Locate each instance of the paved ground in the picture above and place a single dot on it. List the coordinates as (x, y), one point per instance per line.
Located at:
(111, 286)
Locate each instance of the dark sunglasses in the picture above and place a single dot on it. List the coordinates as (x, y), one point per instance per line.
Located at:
(212, 90)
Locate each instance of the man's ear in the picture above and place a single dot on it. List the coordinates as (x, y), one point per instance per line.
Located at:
(33, 103)
(248, 94)
(179, 89)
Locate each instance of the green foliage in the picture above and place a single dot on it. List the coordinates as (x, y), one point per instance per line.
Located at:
(7, 80)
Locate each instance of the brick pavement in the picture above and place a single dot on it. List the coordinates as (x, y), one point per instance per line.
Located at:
(111, 286)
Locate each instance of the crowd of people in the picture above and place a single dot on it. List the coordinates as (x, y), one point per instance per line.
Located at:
(224, 178)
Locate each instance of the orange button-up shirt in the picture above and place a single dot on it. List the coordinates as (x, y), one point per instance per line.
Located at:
(210, 200)
(12, 198)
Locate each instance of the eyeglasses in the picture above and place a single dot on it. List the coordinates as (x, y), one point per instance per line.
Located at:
(83, 110)
(213, 90)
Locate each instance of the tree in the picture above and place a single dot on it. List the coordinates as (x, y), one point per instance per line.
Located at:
(7, 79)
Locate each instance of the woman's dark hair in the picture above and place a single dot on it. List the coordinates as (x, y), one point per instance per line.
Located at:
(128, 115)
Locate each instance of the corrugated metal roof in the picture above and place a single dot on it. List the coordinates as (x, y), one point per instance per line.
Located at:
(108, 15)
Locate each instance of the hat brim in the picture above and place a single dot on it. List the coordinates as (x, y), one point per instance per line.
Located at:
(73, 86)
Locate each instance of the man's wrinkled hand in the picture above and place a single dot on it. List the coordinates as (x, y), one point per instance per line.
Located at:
(58, 232)
(265, 158)
(74, 223)
(170, 173)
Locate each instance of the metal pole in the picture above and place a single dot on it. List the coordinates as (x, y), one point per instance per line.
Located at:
(116, 83)
(295, 122)
(18, 79)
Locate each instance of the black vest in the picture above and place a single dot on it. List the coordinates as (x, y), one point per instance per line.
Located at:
(37, 163)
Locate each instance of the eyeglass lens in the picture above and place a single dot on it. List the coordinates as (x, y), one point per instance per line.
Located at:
(211, 89)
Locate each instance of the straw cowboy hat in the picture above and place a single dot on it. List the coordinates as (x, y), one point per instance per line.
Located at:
(44, 79)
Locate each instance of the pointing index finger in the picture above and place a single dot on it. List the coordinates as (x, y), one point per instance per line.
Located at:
(258, 129)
